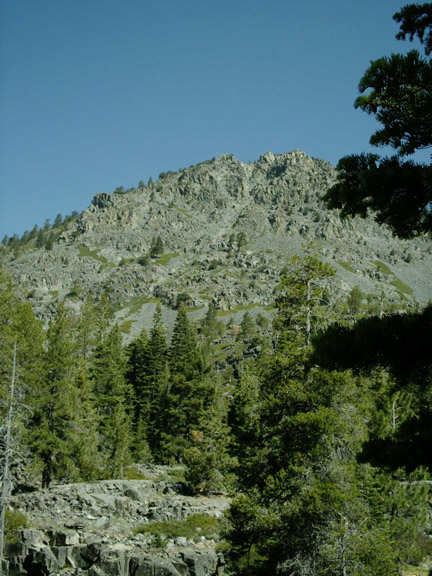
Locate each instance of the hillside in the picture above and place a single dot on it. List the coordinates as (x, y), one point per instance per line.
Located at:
(227, 229)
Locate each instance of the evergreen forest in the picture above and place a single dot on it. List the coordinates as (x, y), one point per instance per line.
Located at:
(324, 452)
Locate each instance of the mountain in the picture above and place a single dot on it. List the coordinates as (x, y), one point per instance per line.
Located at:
(217, 232)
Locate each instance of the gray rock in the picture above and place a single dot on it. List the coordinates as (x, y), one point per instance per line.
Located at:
(199, 213)
(66, 538)
(102, 545)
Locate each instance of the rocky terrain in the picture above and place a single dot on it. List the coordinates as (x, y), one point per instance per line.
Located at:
(100, 529)
(227, 229)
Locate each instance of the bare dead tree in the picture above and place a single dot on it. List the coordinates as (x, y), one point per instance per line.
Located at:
(6, 483)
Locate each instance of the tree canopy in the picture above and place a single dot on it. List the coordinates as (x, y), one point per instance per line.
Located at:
(397, 90)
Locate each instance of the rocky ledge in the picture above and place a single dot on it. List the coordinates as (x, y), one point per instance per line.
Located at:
(105, 528)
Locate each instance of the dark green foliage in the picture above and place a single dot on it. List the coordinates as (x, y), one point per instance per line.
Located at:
(71, 218)
(21, 354)
(397, 90)
(49, 243)
(302, 504)
(398, 192)
(354, 300)
(143, 260)
(231, 242)
(40, 239)
(399, 341)
(243, 417)
(184, 354)
(188, 390)
(306, 505)
(302, 300)
(241, 241)
(136, 358)
(184, 298)
(147, 373)
(416, 20)
(63, 427)
(58, 221)
(401, 100)
(247, 328)
(211, 327)
(214, 264)
(156, 247)
(114, 400)
(136, 374)
(210, 467)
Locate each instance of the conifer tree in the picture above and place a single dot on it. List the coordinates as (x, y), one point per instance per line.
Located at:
(114, 400)
(136, 377)
(60, 406)
(247, 328)
(302, 304)
(21, 351)
(148, 371)
(184, 353)
(244, 416)
(188, 389)
(210, 466)
(156, 247)
(83, 437)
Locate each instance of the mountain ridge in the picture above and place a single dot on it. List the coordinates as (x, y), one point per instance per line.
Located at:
(227, 230)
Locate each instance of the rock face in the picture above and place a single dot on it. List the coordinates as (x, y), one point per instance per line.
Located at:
(227, 230)
(91, 529)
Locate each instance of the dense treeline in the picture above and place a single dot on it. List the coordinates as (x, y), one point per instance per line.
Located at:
(316, 496)
(310, 433)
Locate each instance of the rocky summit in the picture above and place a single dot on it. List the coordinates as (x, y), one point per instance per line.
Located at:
(217, 232)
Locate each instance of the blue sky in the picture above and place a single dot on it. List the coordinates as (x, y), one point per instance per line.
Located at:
(96, 94)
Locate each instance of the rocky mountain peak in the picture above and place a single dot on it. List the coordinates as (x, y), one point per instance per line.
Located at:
(227, 229)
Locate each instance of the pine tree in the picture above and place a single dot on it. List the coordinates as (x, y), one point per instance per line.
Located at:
(148, 373)
(302, 304)
(54, 419)
(136, 376)
(19, 330)
(58, 221)
(114, 401)
(156, 247)
(244, 416)
(83, 437)
(210, 466)
(247, 328)
(184, 353)
(188, 389)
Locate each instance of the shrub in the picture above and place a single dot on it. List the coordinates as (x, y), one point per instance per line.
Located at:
(144, 260)
(14, 521)
(197, 524)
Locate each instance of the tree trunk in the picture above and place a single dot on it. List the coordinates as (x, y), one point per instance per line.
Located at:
(5, 489)
(308, 312)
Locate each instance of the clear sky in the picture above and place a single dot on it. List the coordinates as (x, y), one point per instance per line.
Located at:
(96, 94)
